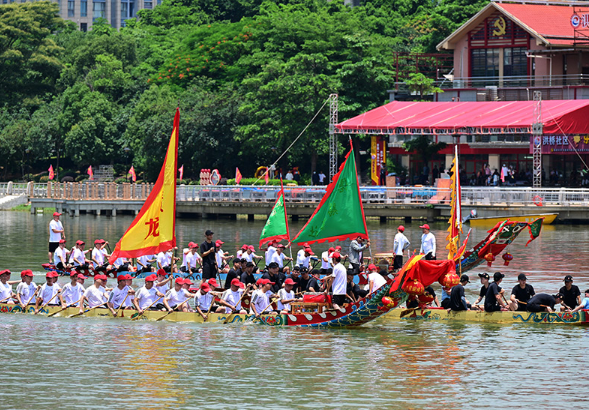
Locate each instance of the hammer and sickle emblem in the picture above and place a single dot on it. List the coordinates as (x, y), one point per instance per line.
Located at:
(500, 26)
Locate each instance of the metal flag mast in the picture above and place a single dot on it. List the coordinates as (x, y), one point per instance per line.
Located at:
(537, 138)
(333, 114)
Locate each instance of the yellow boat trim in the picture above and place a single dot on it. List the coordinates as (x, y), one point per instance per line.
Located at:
(481, 222)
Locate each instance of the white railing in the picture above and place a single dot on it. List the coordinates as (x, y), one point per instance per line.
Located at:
(482, 196)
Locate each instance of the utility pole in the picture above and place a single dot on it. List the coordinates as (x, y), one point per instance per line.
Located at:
(537, 130)
(333, 114)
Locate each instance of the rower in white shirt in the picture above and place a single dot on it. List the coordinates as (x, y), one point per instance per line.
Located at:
(79, 255)
(242, 251)
(231, 298)
(95, 295)
(260, 301)
(176, 297)
(279, 257)
(270, 252)
(60, 256)
(250, 256)
(72, 292)
(221, 257)
(164, 261)
(144, 263)
(375, 279)
(190, 259)
(326, 267)
(119, 295)
(286, 296)
(26, 289)
(148, 296)
(428, 243)
(203, 300)
(338, 282)
(99, 255)
(49, 293)
(303, 257)
(6, 293)
(162, 281)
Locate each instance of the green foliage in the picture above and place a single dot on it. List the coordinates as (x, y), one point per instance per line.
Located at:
(422, 85)
(424, 147)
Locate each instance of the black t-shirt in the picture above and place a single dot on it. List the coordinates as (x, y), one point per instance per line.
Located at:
(456, 295)
(297, 281)
(569, 297)
(491, 296)
(313, 283)
(210, 258)
(248, 278)
(302, 285)
(232, 274)
(273, 278)
(483, 292)
(412, 303)
(523, 295)
(543, 299)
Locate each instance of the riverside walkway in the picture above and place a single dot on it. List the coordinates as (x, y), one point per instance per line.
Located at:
(229, 201)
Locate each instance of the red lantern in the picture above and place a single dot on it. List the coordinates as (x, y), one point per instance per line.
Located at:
(507, 257)
(413, 287)
(386, 300)
(449, 280)
(425, 299)
(389, 303)
(489, 258)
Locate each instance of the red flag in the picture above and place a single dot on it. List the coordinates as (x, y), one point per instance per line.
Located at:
(51, 173)
(267, 176)
(181, 172)
(133, 175)
(90, 173)
(237, 176)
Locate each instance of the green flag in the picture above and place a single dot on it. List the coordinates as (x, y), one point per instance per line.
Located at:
(340, 214)
(276, 227)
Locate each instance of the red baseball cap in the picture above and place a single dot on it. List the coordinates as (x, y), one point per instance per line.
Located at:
(426, 226)
(121, 277)
(102, 277)
(162, 272)
(372, 266)
(336, 255)
(281, 246)
(205, 286)
(56, 214)
(62, 241)
(237, 282)
(251, 247)
(74, 273)
(80, 276)
(187, 282)
(219, 242)
(259, 281)
(26, 272)
(266, 282)
(213, 282)
(80, 242)
(401, 228)
(97, 241)
(332, 249)
(338, 247)
(309, 251)
(179, 281)
(244, 246)
(191, 244)
(151, 278)
(289, 281)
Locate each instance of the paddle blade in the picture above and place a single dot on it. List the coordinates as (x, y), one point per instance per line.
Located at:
(407, 312)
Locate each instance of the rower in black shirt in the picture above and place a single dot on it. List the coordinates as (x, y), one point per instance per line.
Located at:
(571, 295)
(521, 294)
(485, 286)
(314, 285)
(233, 273)
(543, 302)
(458, 301)
(493, 298)
(272, 275)
(207, 252)
(352, 289)
(247, 276)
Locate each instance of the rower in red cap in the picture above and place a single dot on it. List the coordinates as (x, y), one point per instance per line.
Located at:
(176, 297)
(203, 300)
(286, 296)
(231, 298)
(26, 289)
(60, 256)
(148, 296)
(428, 243)
(72, 292)
(49, 293)
(260, 300)
(96, 294)
(6, 293)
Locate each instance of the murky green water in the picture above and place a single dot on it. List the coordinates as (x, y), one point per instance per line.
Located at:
(101, 363)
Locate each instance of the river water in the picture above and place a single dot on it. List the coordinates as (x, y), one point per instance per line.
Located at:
(101, 363)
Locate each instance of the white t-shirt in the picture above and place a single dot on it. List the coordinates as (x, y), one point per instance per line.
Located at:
(339, 282)
(26, 291)
(260, 300)
(428, 243)
(53, 236)
(95, 296)
(164, 259)
(145, 259)
(145, 297)
(5, 291)
(379, 281)
(284, 295)
(175, 297)
(269, 253)
(232, 298)
(79, 257)
(190, 260)
(47, 292)
(303, 260)
(401, 242)
(72, 294)
(203, 301)
(162, 289)
(99, 255)
(117, 296)
(249, 257)
(58, 254)
(325, 265)
(219, 256)
(119, 261)
(278, 258)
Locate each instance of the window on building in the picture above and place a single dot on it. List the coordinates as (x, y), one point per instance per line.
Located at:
(159, 2)
(84, 27)
(98, 10)
(84, 8)
(127, 10)
(485, 62)
(71, 5)
(515, 62)
(148, 5)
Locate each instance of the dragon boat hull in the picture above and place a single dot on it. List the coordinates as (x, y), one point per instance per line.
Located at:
(355, 314)
(473, 316)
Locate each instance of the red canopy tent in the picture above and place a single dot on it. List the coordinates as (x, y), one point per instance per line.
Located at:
(493, 117)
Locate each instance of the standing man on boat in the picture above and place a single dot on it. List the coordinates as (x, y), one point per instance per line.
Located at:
(521, 294)
(428, 243)
(458, 301)
(56, 233)
(338, 282)
(494, 297)
(571, 295)
(357, 248)
(401, 243)
(208, 252)
(485, 285)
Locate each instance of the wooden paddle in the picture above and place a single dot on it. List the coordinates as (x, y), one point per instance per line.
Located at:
(266, 308)
(58, 292)
(209, 309)
(172, 311)
(62, 309)
(121, 306)
(238, 302)
(31, 298)
(87, 310)
(144, 310)
(407, 312)
(5, 299)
